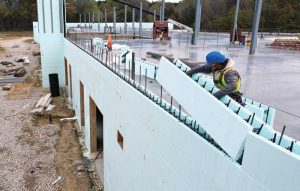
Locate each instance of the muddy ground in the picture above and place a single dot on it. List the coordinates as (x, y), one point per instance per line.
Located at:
(37, 152)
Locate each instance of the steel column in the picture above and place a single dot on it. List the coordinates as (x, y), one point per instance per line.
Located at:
(258, 5)
(197, 21)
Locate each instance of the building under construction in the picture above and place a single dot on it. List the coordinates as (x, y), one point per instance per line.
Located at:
(149, 126)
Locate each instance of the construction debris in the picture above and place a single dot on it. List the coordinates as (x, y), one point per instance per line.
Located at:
(7, 87)
(20, 72)
(42, 104)
(71, 119)
(20, 91)
(11, 80)
(5, 63)
(56, 181)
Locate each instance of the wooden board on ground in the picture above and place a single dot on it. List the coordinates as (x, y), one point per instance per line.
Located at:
(20, 91)
(42, 104)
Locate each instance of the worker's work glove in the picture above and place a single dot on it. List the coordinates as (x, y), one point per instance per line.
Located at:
(189, 73)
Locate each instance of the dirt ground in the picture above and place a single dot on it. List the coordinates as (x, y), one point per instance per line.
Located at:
(38, 152)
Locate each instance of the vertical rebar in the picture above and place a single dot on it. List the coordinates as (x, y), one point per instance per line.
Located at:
(133, 66)
(145, 79)
(179, 116)
(282, 133)
(171, 104)
(140, 76)
(161, 95)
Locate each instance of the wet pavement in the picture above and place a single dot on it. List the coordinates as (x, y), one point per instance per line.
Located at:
(270, 76)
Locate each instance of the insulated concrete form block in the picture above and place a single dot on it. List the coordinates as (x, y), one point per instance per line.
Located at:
(159, 153)
(273, 166)
(222, 124)
(259, 112)
(52, 57)
(50, 26)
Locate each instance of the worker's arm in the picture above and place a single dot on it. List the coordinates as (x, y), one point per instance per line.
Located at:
(231, 78)
(204, 69)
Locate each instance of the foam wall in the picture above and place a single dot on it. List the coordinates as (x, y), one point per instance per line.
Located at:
(159, 153)
(50, 29)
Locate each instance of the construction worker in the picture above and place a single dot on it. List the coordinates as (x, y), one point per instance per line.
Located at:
(109, 42)
(225, 76)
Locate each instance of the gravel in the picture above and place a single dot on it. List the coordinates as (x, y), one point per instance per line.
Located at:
(27, 149)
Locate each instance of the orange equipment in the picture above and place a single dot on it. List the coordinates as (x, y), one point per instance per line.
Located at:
(109, 42)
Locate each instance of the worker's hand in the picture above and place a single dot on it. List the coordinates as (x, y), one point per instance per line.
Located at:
(189, 73)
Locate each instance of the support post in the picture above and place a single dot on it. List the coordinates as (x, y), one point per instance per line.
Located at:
(197, 21)
(105, 20)
(234, 32)
(160, 10)
(114, 15)
(258, 5)
(133, 19)
(99, 19)
(79, 20)
(141, 19)
(125, 20)
(163, 10)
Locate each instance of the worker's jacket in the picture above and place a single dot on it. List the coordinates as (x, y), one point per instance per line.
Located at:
(227, 79)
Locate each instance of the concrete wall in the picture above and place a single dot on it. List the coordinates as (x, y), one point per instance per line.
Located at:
(159, 153)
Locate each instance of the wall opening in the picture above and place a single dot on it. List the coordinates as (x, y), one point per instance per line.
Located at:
(120, 139)
(66, 72)
(82, 115)
(70, 74)
(96, 127)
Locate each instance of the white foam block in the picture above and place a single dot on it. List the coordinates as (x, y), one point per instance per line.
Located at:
(224, 126)
(273, 166)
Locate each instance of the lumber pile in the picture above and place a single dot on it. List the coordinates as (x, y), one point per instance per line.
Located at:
(285, 44)
(42, 104)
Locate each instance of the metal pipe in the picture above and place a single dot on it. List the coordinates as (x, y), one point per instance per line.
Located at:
(258, 5)
(235, 21)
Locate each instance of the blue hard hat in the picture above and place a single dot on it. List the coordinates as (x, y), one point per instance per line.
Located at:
(215, 57)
